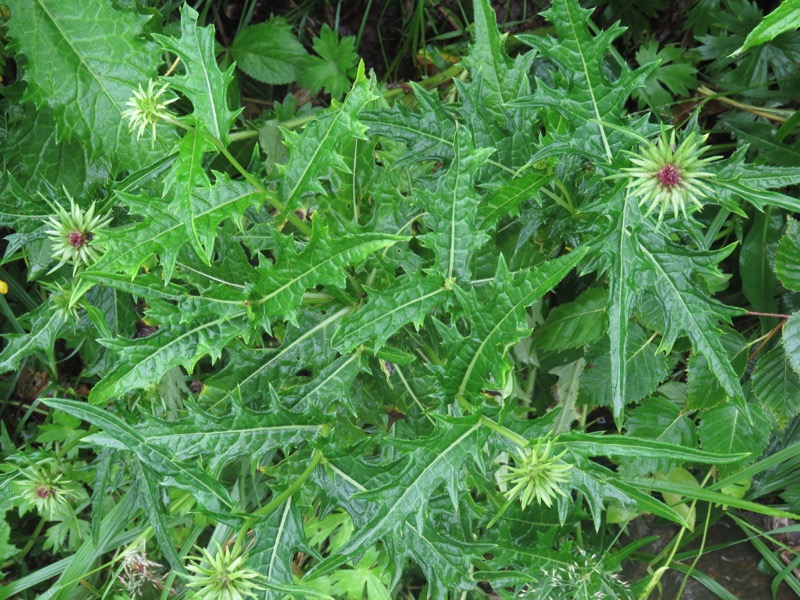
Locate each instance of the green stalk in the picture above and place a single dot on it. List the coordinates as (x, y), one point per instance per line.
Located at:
(298, 483)
(277, 204)
(272, 505)
(520, 441)
(504, 431)
(431, 82)
(671, 549)
(27, 548)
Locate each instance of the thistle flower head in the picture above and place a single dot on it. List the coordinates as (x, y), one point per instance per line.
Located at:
(44, 488)
(221, 576)
(72, 233)
(537, 474)
(147, 108)
(667, 175)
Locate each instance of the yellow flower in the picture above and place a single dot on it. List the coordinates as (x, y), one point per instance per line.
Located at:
(3, 287)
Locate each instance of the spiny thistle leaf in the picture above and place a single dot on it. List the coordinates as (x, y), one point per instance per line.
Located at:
(330, 387)
(86, 74)
(671, 275)
(315, 153)
(498, 314)
(403, 491)
(220, 439)
(454, 237)
(250, 372)
(203, 82)
(278, 538)
(410, 301)
(278, 291)
(585, 95)
(162, 230)
(622, 255)
(645, 369)
(210, 492)
(506, 200)
(504, 80)
(142, 362)
(576, 323)
(35, 158)
(428, 132)
(46, 324)
(186, 178)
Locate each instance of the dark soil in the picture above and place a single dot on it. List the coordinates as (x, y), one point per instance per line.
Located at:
(386, 43)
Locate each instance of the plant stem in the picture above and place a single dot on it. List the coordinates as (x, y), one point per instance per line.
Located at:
(298, 122)
(504, 431)
(240, 136)
(277, 204)
(773, 114)
(316, 458)
(27, 548)
(672, 547)
(520, 441)
(272, 505)
(699, 553)
(755, 313)
(431, 82)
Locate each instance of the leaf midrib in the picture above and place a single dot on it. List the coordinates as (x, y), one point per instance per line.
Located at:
(120, 257)
(282, 351)
(676, 293)
(312, 159)
(329, 259)
(133, 368)
(364, 324)
(221, 433)
(132, 433)
(79, 56)
(589, 86)
(414, 485)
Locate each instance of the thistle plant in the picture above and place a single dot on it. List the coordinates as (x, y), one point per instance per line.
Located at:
(537, 474)
(667, 175)
(44, 488)
(147, 108)
(372, 361)
(72, 234)
(221, 576)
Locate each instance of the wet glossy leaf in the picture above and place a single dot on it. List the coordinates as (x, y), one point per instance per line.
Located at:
(777, 385)
(787, 259)
(86, 74)
(202, 82)
(160, 461)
